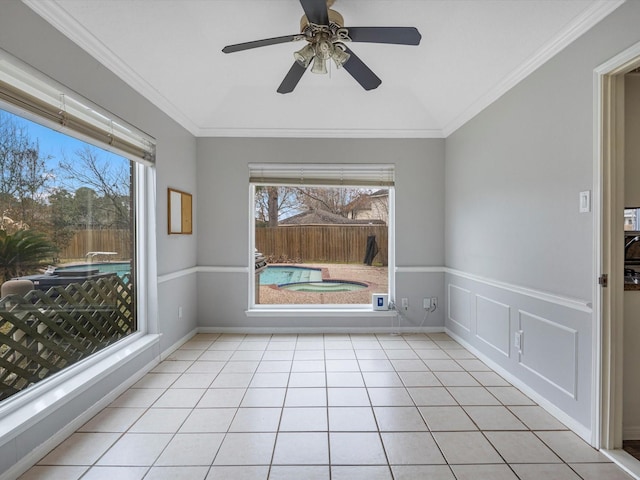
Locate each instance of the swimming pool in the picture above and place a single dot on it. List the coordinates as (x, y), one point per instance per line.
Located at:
(326, 286)
(279, 275)
(120, 268)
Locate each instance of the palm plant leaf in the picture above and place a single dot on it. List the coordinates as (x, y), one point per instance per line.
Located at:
(23, 252)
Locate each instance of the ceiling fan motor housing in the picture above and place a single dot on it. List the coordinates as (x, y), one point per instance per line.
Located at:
(325, 42)
(336, 21)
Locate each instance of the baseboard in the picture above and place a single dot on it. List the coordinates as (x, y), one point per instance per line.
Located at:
(578, 428)
(168, 351)
(312, 330)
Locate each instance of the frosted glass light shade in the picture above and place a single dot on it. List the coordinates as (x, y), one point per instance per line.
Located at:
(319, 66)
(304, 55)
(340, 57)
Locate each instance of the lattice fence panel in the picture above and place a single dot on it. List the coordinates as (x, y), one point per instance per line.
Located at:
(44, 332)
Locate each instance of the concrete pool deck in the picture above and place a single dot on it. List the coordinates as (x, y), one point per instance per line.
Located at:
(376, 277)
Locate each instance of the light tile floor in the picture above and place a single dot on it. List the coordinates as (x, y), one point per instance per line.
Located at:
(319, 407)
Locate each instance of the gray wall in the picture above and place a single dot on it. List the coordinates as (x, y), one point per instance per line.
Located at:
(223, 215)
(513, 230)
(26, 36)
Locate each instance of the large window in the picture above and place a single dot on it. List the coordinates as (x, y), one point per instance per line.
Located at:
(67, 228)
(322, 234)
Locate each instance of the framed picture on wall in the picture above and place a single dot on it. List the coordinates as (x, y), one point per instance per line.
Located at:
(180, 212)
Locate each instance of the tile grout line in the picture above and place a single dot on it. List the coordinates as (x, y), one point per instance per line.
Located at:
(364, 345)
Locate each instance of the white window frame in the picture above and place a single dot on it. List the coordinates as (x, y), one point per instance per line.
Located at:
(20, 411)
(330, 175)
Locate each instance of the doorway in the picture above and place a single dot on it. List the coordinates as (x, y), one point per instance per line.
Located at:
(609, 300)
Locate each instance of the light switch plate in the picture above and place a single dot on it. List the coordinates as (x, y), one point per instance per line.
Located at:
(585, 201)
(518, 341)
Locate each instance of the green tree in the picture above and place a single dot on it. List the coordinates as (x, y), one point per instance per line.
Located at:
(22, 252)
(86, 207)
(63, 210)
(24, 176)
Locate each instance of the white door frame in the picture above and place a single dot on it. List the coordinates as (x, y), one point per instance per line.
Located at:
(608, 204)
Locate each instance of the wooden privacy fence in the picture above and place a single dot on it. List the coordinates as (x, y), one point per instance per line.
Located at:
(322, 243)
(44, 332)
(85, 241)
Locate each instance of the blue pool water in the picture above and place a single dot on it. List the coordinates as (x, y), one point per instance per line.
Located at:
(327, 286)
(304, 279)
(121, 268)
(278, 275)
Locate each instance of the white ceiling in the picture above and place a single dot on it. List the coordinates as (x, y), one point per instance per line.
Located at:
(472, 51)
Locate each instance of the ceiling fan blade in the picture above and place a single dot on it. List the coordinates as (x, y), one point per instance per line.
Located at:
(363, 74)
(395, 35)
(238, 47)
(292, 78)
(316, 11)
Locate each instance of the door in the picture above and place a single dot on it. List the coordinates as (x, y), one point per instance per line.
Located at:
(609, 147)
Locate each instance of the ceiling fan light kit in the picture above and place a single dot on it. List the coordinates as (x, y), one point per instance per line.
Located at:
(324, 30)
(340, 56)
(304, 55)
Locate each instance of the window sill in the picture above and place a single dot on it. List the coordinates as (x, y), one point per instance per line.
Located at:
(319, 312)
(31, 405)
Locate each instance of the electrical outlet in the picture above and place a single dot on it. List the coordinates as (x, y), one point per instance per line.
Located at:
(434, 303)
(179, 312)
(405, 303)
(426, 303)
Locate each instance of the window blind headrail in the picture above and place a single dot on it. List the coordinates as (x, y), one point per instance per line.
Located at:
(323, 174)
(45, 101)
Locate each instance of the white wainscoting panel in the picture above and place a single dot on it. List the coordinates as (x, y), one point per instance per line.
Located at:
(557, 341)
(492, 324)
(550, 350)
(460, 307)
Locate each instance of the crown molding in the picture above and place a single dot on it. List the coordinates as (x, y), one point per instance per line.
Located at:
(319, 133)
(581, 24)
(59, 18)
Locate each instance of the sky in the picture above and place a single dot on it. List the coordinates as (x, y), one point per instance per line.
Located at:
(53, 144)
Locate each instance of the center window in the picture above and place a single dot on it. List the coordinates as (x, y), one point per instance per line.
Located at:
(321, 234)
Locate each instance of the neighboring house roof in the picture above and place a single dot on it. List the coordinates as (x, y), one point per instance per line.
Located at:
(380, 193)
(373, 207)
(364, 201)
(323, 217)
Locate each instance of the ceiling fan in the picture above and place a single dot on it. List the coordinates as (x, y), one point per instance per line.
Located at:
(326, 36)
